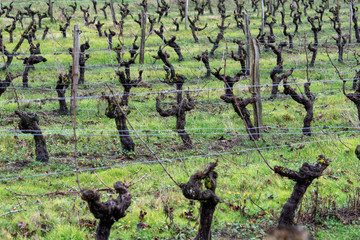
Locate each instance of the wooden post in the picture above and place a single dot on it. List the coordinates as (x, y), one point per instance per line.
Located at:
(255, 82)
(350, 20)
(75, 66)
(51, 11)
(142, 40)
(186, 13)
(113, 11)
(247, 41)
(262, 17)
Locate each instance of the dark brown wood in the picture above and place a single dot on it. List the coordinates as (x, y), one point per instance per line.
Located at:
(303, 179)
(110, 211)
(120, 116)
(75, 52)
(6, 83)
(109, 36)
(306, 100)
(182, 105)
(62, 84)
(170, 43)
(204, 57)
(201, 187)
(239, 104)
(29, 62)
(340, 38)
(194, 29)
(29, 123)
(10, 56)
(222, 27)
(314, 53)
(354, 96)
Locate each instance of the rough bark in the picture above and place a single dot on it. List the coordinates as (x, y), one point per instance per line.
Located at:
(170, 43)
(94, 5)
(63, 29)
(194, 190)
(62, 84)
(303, 179)
(241, 56)
(29, 62)
(306, 100)
(112, 111)
(194, 29)
(355, 21)
(314, 53)
(278, 52)
(110, 211)
(315, 29)
(10, 56)
(98, 26)
(239, 104)
(46, 30)
(104, 9)
(204, 57)
(176, 23)
(340, 38)
(220, 35)
(83, 58)
(109, 36)
(66, 15)
(276, 79)
(29, 123)
(355, 96)
(41, 16)
(162, 9)
(10, 29)
(182, 105)
(6, 83)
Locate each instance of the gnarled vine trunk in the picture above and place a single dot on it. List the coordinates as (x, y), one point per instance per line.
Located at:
(110, 211)
(29, 123)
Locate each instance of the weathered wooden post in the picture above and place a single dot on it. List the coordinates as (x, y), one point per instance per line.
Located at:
(113, 11)
(350, 19)
(247, 41)
(142, 40)
(186, 13)
(75, 66)
(50, 11)
(255, 82)
(262, 17)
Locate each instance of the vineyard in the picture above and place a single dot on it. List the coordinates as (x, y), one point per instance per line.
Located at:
(176, 119)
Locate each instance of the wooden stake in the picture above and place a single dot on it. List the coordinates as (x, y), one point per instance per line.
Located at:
(262, 17)
(247, 41)
(186, 14)
(113, 11)
(142, 40)
(75, 66)
(350, 19)
(51, 11)
(255, 82)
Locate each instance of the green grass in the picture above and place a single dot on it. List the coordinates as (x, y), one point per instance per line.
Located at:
(216, 130)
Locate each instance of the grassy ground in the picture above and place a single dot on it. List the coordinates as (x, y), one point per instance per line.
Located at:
(255, 193)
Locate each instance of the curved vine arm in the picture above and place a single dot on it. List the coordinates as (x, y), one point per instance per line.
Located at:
(165, 113)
